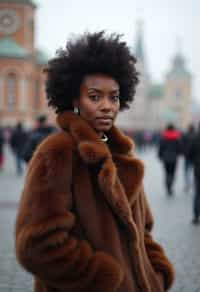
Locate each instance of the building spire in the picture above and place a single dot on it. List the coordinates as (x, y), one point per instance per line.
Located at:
(178, 68)
(139, 51)
(139, 48)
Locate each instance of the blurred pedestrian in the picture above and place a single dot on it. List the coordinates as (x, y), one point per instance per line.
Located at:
(84, 223)
(17, 140)
(194, 156)
(35, 137)
(186, 140)
(1, 148)
(168, 152)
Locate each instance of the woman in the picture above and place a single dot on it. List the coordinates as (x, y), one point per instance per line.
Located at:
(84, 223)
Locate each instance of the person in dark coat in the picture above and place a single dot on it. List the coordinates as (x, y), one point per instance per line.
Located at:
(36, 136)
(1, 148)
(168, 152)
(17, 140)
(186, 141)
(84, 222)
(194, 156)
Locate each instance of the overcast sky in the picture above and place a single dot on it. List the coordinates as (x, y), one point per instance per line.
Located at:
(165, 22)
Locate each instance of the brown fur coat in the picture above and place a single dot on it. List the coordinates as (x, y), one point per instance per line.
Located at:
(84, 224)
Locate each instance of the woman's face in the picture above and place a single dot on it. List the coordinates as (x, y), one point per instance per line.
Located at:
(99, 102)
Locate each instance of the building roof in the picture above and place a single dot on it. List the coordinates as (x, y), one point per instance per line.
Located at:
(41, 57)
(27, 2)
(156, 91)
(10, 49)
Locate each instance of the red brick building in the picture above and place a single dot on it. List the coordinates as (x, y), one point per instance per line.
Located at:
(22, 96)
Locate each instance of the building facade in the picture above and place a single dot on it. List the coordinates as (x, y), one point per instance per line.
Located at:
(156, 105)
(22, 95)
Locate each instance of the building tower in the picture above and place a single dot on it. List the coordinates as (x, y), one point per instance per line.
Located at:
(140, 116)
(21, 64)
(136, 117)
(178, 92)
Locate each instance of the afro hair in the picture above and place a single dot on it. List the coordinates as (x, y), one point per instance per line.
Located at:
(91, 53)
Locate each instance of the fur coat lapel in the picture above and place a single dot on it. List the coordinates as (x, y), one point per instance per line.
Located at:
(120, 176)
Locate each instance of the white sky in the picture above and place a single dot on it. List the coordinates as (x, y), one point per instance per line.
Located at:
(165, 21)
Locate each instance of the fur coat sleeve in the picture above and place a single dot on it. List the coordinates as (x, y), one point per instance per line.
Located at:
(155, 252)
(44, 244)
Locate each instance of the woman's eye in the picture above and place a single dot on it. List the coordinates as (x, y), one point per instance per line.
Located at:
(94, 97)
(115, 97)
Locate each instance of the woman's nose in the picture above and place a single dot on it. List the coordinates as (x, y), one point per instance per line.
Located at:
(106, 104)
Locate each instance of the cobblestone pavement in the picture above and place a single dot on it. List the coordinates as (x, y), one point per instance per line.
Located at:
(173, 228)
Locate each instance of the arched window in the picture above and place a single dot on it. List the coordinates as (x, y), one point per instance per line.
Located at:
(11, 90)
(37, 96)
(23, 94)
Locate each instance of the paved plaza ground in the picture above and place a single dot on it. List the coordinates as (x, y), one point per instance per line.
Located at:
(173, 228)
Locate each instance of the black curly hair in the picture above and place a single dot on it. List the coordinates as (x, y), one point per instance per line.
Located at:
(89, 54)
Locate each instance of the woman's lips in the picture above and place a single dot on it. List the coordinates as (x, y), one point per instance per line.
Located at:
(104, 120)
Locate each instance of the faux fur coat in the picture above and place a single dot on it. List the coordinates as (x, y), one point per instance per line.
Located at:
(84, 224)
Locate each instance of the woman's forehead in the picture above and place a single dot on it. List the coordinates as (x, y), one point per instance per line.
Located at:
(100, 81)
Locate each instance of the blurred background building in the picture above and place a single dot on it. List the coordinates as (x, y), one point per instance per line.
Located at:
(22, 95)
(21, 64)
(156, 104)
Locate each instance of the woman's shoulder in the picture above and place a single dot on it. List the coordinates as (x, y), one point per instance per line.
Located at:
(52, 158)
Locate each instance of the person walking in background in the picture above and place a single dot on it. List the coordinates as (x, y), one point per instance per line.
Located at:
(1, 148)
(168, 152)
(17, 140)
(84, 222)
(186, 140)
(194, 157)
(35, 137)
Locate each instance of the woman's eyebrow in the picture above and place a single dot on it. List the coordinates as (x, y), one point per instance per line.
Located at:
(99, 90)
(95, 89)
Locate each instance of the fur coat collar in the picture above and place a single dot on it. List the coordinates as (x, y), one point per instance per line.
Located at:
(121, 174)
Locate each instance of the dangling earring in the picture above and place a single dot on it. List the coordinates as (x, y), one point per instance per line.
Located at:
(76, 110)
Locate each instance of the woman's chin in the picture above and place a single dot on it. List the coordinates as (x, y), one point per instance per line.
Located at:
(104, 128)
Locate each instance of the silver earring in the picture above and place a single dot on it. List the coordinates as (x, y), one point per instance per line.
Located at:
(76, 110)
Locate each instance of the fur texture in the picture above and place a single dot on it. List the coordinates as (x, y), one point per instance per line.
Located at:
(84, 224)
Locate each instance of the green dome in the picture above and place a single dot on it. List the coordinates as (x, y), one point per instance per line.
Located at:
(28, 2)
(10, 49)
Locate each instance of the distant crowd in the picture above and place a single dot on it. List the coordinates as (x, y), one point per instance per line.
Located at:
(172, 144)
(23, 142)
